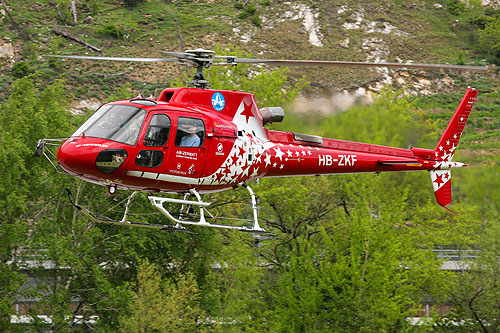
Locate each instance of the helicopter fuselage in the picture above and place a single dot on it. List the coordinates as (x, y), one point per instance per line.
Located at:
(212, 140)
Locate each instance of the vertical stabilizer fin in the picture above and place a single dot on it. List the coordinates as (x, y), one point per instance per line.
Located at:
(445, 149)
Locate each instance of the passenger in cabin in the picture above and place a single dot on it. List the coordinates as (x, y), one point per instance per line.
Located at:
(118, 158)
(191, 139)
(131, 134)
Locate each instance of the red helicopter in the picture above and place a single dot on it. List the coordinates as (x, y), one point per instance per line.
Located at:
(196, 140)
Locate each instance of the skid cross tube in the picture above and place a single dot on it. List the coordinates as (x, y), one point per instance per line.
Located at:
(159, 201)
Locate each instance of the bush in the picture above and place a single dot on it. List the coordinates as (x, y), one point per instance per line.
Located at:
(20, 69)
(249, 11)
(489, 40)
(256, 20)
(455, 7)
(112, 30)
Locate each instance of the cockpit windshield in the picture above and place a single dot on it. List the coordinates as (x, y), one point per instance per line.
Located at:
(120, 123)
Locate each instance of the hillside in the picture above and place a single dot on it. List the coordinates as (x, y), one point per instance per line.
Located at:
(323, 30)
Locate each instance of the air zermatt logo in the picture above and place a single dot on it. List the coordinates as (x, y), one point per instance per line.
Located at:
(218, 101)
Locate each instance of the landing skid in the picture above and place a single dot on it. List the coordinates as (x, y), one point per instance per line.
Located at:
(191, 205)
(124, 221)
(185, 216)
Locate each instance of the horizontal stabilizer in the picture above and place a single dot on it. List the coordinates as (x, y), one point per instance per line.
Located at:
(399, 162)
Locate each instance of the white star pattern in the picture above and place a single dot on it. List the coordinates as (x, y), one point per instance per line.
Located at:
(252, 140)
(279, 153)
(255, 172)
(245, 172)
(267, 159)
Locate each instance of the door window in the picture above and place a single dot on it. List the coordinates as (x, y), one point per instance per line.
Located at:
(158, 130)
(149, 158)
(190, 132)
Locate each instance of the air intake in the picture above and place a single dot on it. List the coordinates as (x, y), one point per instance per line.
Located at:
(273, 114)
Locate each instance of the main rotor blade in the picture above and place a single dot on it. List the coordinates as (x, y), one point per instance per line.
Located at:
(278, 62)
(176, 54)
(115, 58)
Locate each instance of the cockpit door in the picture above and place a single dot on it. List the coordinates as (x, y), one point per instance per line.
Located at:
(152, 148)
(188, 155)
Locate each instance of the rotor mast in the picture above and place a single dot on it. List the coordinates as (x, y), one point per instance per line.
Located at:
(201, 58)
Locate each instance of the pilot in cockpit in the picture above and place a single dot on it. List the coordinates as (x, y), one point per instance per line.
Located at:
(191, 139)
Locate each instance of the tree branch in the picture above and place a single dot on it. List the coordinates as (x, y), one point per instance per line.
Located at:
(73, 38)
(14, 23)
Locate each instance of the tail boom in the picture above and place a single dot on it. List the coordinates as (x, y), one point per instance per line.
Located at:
(294, 154)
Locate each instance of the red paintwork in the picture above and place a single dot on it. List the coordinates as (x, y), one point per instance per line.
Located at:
(238, 148)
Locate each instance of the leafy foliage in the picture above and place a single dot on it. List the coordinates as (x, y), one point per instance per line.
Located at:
(477, 294)
(163, 306)
(489, 39)
(347, 264)
(20, 69)
(30, 113)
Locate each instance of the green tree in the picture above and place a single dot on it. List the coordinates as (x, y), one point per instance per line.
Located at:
(233, 288)
(476, 297)
(163, 306)
(31, 112)
(489, 39)
(361, 272)
(92, 263)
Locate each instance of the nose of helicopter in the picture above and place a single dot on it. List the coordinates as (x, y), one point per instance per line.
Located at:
(89, 158)
(77, 157)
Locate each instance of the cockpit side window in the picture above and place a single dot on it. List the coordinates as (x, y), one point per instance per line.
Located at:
(158, 130)
(120, 123)
(190, 132)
